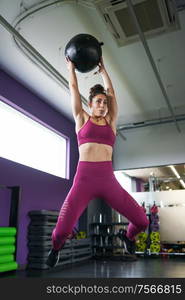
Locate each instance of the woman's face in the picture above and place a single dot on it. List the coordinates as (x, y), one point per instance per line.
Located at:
(99, 105)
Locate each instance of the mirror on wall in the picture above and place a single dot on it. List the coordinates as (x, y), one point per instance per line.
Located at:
(161, 178)
(163, 186)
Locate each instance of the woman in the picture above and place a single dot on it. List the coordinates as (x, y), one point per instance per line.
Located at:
(96, 134)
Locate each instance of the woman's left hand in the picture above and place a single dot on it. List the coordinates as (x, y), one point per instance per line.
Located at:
(101, 66)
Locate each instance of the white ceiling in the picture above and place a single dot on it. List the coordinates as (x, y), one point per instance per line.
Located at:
(48, 30)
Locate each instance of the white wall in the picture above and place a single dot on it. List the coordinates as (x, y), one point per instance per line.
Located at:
(171, 212)
(124, 180)
(149, 147)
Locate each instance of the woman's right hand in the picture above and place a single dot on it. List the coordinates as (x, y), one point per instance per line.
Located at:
(70, 64)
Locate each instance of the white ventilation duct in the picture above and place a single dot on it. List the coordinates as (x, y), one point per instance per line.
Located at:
(154, 16)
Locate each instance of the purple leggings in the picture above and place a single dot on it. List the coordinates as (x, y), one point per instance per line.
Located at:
(92, 180)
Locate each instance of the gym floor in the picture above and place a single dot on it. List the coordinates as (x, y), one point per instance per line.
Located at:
(173, 267)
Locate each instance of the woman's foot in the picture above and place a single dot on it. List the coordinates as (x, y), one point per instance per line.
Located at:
(53, 258)
(129, 245)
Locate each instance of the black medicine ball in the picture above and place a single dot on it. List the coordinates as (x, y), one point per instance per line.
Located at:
(84, 51)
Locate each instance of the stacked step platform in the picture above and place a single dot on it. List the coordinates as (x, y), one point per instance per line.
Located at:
(39, 242)
(7, 249)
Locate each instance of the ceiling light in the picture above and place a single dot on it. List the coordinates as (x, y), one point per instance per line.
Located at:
(182, 182)
(177, 175)
(175, 172)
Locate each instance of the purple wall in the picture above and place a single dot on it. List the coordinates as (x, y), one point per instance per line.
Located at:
(5, 202)
(39, 190)
(139, 185)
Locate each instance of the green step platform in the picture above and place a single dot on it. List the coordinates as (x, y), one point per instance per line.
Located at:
(10, 240)
(6, 258)
(8, 231)
(9, 249)
(8, 266)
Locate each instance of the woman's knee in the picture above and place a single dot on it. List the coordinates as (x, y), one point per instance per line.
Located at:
(58, 234)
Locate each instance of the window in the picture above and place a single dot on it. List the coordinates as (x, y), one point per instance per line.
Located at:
(30, 143)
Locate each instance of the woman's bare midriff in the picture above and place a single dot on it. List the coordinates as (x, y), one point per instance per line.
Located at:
(95, 152)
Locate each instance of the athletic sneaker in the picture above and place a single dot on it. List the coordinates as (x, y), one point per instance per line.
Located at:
(53, 258)
(129, 245)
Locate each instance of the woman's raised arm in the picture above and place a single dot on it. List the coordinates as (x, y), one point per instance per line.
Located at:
(113, 107)
(76, 101)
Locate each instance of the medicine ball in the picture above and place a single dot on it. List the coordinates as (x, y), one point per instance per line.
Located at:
(84, 51)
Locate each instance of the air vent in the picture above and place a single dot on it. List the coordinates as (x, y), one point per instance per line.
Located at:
(155, 17)
(180, 4)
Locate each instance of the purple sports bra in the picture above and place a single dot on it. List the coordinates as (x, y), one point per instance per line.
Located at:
(93, 133)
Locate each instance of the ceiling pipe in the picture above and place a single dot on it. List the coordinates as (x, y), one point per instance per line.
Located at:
(152, 62)
(150, 123)
(121, 135)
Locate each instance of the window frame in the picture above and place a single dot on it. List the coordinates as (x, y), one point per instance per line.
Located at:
(36, 119)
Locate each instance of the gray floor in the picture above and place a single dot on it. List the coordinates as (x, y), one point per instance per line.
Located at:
(142, 268)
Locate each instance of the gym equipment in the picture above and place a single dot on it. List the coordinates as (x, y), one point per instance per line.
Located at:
(7, 249)
(39, 236)
(41, 230)
(140, 247)
(155, 242)
(84, 51)
(42, 212)
(142, 236)
(154, 217)
(81, 235)
(155, 237)
(7, 231)
(155, 247)
(43, 216)
(155, 222)
(6, 258)
(40, 242)
(154, 227)
(44, 219)
(43, 223)
(8, 266)
(171, 250)
(141, 242)
(154, 209)
(7, 240)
